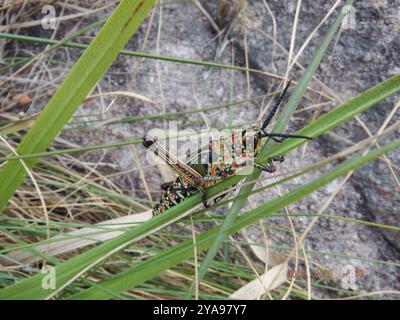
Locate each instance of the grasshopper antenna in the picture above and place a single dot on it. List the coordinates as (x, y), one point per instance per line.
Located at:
(276, 106)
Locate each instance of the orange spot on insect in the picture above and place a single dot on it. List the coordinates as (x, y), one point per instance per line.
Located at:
(222, 164)
(172, 197)
(234, 164)
(185, 181)
(213, 168)
(166, 202)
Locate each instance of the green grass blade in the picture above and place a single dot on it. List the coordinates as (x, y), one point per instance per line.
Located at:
(279, 127)
(210, 64)
(72, 150)
(179, 253)
(90, 67)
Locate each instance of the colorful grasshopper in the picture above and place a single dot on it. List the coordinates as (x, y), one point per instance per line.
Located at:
(193, 176)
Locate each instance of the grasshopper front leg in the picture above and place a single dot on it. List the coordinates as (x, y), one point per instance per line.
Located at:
(270, 167)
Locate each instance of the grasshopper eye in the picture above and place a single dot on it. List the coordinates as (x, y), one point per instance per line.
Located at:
(148, 141)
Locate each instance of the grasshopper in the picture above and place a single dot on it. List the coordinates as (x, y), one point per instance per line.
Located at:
(193, 176)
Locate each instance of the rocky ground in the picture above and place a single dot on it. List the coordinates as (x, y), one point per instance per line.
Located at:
(361, 58)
